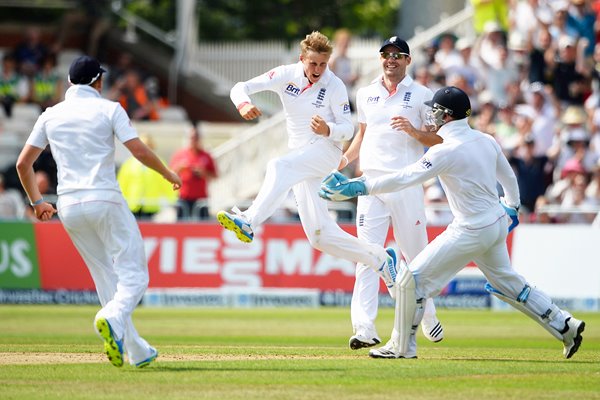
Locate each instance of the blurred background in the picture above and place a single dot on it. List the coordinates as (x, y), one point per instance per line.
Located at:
(531, 69)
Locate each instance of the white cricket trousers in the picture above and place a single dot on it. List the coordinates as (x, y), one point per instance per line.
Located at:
(458, 245)
(108, 239)
(405, 210)
(302, 170)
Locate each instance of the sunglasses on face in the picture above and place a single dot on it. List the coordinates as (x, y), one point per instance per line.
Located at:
(395, 56)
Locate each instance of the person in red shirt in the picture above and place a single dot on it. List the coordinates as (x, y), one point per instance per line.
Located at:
(196, 168)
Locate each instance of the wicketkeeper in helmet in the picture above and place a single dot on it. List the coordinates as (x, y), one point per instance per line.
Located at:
(468, 164)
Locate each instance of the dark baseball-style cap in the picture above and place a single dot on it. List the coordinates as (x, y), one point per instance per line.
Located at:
(397, 43)
(85, 70)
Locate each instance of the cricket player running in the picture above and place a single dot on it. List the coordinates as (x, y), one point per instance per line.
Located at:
(81, 132)
(316, 105)
(387, 140)
(468, 163)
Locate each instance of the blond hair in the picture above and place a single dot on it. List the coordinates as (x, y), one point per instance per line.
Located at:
(317, 42)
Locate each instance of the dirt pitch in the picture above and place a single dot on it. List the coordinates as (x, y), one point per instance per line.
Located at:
(20, 358)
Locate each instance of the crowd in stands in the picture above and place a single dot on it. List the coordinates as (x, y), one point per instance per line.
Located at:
(532, 72)
(533, 76)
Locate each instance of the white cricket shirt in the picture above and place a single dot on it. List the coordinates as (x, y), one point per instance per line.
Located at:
(383, 148)
(301, 101)
(468, 163)
(81, 131)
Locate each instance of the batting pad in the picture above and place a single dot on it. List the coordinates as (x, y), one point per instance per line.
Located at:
(523, 308)
(406, 308)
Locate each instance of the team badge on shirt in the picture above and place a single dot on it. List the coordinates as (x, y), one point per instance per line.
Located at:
(426, 163)
(320, 98)
(406, 100)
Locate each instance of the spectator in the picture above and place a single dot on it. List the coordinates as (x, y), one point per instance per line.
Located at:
(196, 168)
(144, 189)
(465, 67)
(574, 196)
(572, 142)
(12, 205)
(47, 86)
(447, 56)
(568, 83)
(544, 117)
(582, 19)
(593, 189)
(30, 52)
(13, 86)
(341, 64)
(485, 120)
(532, 174)
(130, 92)
(485, 11)
(541, 54)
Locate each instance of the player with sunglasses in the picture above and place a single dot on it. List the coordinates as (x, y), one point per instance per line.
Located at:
(388, 110)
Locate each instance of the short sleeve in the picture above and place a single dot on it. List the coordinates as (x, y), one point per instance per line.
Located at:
(122, 126)
(38, 137)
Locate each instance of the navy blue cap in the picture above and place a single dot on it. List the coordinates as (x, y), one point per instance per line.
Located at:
(85, 70)
(397, 43)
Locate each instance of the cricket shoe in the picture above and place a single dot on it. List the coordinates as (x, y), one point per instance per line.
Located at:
(388, 271)
(112, 347)
(364, 338)
(572, 336)
(236, 223)
(147, 361)
(388, 351)
(432, 329)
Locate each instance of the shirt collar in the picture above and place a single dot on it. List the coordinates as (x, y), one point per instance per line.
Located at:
(452, 127)
(406, 81)
(81, 91)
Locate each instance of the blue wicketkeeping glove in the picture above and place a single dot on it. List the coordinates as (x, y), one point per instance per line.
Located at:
(337, 187)
(513, 213)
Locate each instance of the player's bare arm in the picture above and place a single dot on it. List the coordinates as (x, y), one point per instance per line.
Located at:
(353, 150)
(425, 137)
(249, 111)
(43, 210)
(319, 126)
(147, 157)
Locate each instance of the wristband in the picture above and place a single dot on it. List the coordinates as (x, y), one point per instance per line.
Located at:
(37, 202)
(239, 107)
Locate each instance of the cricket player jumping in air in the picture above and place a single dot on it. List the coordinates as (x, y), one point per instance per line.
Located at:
(318, 120)
(81, 132)
(468, 163)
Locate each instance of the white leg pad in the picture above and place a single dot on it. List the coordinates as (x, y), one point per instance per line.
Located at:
(406, 309)
(543, 319)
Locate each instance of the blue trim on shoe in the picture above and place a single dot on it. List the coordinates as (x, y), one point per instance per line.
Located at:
(236, 225)
(112, 347)
(392, 268)
(148, 360)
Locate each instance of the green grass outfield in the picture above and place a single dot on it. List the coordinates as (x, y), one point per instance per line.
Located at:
(52, 352)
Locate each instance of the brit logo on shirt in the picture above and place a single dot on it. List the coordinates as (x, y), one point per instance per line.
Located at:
(372, 99)
(346, 108)
(292, 90)
(426, 163)
(406, 100)
(320, 98)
